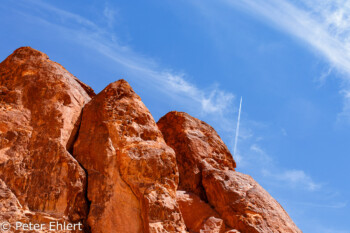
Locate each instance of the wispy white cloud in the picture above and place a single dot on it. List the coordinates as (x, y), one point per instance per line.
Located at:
(45, 10)
(324, 25)
(261, 156)
(214, 101)
(321, 80)
(294, 179)
(110, 14)
(84, 31)
(265, 165)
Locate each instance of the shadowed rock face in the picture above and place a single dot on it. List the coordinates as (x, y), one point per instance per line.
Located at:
(242, 203)
(124, 177)
(40, 107)
(198, 215)
(133, 175)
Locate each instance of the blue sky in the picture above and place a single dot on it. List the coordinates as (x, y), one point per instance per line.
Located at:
(289, 59)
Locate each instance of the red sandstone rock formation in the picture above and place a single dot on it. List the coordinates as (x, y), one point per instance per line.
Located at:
(198, 215)
(40, 106)
(133, 175)
(135, 182)
(196, 144)
(242, 203)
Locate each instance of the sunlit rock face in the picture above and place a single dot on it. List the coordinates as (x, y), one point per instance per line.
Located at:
(207, 169)
(132, 173)
(40, 107)
(70, 156)
(197, 145)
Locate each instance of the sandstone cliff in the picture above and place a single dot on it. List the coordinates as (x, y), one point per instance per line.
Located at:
(70, 156)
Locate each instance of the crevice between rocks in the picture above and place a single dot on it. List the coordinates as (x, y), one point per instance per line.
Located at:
(70, 148)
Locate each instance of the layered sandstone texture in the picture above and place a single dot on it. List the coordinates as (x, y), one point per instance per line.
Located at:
(71, 156)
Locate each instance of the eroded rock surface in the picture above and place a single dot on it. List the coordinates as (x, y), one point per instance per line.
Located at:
(40, 107)
(196, 144)
(242, 203)
(198, 215)
(132, 173)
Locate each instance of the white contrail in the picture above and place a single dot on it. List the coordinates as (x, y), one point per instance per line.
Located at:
(237, 129)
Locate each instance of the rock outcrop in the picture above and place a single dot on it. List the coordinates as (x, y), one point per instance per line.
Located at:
(70, 156)
(242, 203)
(133, 175)
(40, 107)
(196, 144)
